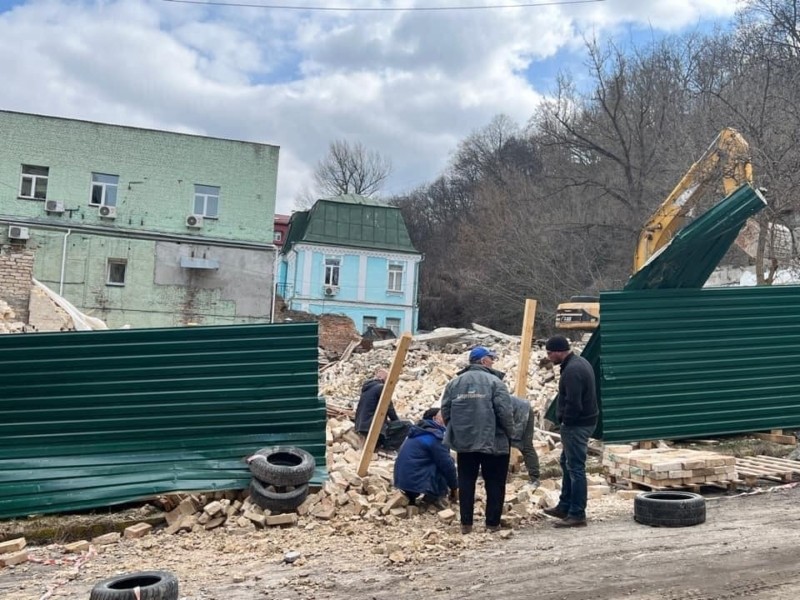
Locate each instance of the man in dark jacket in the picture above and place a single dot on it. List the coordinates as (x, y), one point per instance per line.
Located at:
(577, 413)
(368, 403)
(424, 465)
(476, 407)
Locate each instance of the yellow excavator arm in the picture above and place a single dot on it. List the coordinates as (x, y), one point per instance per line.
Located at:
(730, 152)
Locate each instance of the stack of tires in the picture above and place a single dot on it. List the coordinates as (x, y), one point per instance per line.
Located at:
(280, 477)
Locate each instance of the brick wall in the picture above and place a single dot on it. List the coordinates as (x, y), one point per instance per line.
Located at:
(16, 272)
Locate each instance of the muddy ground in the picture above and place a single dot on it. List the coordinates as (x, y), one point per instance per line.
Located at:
(748, 548)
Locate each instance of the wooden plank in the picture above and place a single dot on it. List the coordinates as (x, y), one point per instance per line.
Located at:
(521, 388)
(383, 404)
(775, 438)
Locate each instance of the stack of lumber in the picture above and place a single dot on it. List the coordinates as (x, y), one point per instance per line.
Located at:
(662, 468)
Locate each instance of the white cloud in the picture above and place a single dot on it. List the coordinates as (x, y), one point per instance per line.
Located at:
(408, 84)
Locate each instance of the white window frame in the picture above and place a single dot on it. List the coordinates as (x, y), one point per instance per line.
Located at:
(333, 270)
(396, 271)
(277, 236)
(105, 189)
(202, 193)
(113, 262)
(33, 179)
(394, 324)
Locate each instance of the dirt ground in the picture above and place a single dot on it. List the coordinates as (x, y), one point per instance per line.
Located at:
(748, 548)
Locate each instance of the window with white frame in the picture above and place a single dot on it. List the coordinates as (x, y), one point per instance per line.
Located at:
(115, 274)
(104, 189)
(34, 182)
(332, 264)
(277, 236)
(396, 270)
(206, 201)
(394, 325)
(368, 322)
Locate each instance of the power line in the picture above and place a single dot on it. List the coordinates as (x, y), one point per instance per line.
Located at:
(384, 9)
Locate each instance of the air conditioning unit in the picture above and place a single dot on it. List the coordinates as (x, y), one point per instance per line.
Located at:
(54, 206)
(194, 221)
(108, 212)
(15, 232)
(330, 290)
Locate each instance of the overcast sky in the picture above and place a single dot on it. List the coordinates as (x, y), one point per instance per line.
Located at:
(409, 84)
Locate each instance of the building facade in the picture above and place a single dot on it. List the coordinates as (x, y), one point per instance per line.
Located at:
(140, 227)
(351, 255)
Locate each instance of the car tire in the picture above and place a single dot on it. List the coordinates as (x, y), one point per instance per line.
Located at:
(282, 499)
(669, 509)
(282, 466)
(152, 585)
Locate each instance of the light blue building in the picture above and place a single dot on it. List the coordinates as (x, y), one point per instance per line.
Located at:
(351, 255)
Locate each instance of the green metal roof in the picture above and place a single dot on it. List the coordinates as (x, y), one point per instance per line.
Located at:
(96, 418)
(353, 221)
(686, 261)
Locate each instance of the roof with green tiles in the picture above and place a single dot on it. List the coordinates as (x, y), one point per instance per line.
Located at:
(353, 221)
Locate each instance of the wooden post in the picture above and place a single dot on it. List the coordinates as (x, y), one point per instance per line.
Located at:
(383, 404)
(525, 349)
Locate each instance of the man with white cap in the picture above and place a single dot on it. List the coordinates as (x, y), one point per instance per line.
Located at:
(476, 408)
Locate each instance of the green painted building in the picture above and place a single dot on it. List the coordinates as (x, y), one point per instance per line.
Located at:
(140, 227)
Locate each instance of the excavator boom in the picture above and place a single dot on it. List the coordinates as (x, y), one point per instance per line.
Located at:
(730, 153)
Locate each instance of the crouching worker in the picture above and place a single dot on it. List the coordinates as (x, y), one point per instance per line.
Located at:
(424, 465)
(522, 438)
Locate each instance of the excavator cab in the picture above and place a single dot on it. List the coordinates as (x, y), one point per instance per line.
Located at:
(581, 312)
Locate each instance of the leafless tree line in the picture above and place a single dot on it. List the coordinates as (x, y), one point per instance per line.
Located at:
(554, 208)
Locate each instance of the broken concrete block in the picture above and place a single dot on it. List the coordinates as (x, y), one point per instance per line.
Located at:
(14, 545)
(398, 499)
(13, 558)
(286, 519)
(77, 547)
(212, 509)
(105, 540)
(188, 506)
(137, 531)
(214, 523)
(628, 494)
(446, 515)
(324, 511)
(257, 518)
(400, 512)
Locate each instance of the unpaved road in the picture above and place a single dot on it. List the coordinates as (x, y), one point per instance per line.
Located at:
(748, 548)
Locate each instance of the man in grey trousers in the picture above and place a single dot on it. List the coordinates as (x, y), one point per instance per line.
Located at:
(522, 437)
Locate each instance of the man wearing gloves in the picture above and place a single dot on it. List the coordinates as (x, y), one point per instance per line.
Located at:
(476, 408)
(577, 413)
(424, 466)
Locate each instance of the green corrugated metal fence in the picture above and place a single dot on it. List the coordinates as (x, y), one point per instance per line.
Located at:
(104, 417)
(697, 363)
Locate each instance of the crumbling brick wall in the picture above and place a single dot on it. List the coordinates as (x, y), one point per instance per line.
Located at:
(16, 273)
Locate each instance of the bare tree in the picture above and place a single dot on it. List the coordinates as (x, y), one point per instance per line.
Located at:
(351, 169)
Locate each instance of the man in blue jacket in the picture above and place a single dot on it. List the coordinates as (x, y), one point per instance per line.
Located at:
(424, 466)
(577, 414)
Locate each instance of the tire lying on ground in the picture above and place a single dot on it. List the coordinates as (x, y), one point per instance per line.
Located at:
(669, 509)
(152, 585)
(282, 466)
(282, 499)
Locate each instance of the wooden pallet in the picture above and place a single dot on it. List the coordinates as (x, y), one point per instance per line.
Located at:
(752, 468)
(729, 485)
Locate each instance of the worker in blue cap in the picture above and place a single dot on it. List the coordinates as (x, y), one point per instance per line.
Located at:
(476, 408)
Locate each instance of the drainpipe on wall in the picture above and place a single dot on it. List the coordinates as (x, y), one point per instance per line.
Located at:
(63, 263)
(275, 265)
